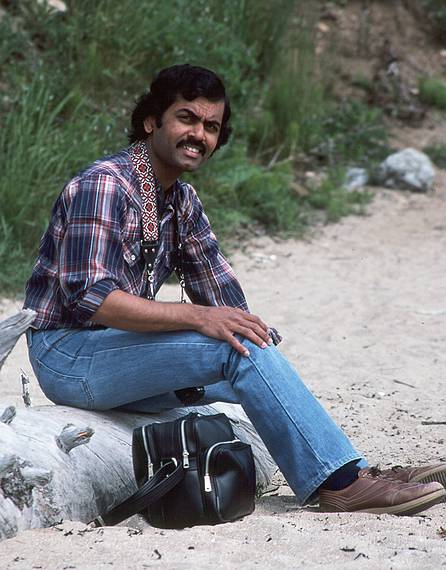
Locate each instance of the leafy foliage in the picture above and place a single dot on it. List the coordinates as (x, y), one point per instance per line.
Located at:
(433, 92)
(354, 134)
(332, 197)
(69, 79)
(437, 153)
(435, 10)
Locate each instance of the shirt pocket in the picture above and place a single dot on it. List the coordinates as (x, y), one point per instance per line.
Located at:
(132, 252)
(131, 232)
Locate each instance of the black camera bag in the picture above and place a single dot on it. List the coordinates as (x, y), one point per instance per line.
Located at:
(191, 471)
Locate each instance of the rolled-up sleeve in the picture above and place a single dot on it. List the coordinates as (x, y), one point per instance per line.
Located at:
(91, 258)
(209, 278)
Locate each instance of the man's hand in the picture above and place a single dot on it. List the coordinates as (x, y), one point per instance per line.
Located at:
(225, 322)
(128, 312)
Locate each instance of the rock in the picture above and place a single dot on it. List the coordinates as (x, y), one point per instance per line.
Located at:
(298, 189)
(407, 169)
(356, 178)
(56, 5)
(323, 28)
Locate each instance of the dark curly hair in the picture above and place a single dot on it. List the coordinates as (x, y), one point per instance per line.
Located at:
(190, 82)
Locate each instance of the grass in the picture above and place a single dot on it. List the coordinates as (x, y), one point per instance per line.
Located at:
(354, 133)
(433, 92)
(435, 10)
(437, 153)
(332, 197)
(69, 80)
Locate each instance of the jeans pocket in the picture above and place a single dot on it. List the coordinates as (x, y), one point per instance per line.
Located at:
(64, 389)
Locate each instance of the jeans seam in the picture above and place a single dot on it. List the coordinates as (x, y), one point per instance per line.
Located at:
(69, 376)
(57, 349)
(153, 344)
(80, 379)
(309, 489)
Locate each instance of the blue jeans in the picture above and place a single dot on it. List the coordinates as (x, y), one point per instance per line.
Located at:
(109, 368)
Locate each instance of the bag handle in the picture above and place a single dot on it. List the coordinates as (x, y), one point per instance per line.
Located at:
(164, 480)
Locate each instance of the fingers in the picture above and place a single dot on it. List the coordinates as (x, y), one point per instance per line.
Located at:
(232, 340)
(261, 335)
(226, 322)
(251, 327)
(257, 320)
(251, 335)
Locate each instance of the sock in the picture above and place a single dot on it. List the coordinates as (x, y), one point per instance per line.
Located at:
(342, 477)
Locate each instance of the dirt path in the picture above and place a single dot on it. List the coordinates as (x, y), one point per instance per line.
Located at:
(362, 307)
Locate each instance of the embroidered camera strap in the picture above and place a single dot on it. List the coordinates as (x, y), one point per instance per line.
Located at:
(149, 215)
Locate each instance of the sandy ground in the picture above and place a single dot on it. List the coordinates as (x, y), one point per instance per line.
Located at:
(362, 307)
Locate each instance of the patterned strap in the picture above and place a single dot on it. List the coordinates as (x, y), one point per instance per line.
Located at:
(149, 217)
(148, 184)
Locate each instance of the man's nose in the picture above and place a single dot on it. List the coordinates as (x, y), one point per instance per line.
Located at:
(199, 131)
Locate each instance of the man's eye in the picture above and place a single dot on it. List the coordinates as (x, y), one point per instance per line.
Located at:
(185, 118)
(212, 128)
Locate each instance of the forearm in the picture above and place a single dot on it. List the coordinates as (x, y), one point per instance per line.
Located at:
(128, 312)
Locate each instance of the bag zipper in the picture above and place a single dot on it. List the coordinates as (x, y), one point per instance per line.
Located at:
(149, 459)
(207, 477)
(183, 442)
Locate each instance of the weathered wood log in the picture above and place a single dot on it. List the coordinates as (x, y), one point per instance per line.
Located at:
(58, 462)
(11, 329)
(51, 471)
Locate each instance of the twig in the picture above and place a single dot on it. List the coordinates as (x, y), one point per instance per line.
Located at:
(25, 389)
(404, 383)
(432, 423)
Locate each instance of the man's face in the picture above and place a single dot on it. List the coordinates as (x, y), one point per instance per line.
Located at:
(188, 134)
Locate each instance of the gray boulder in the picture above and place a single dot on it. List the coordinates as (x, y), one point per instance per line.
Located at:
(407, 169)
(356, 178)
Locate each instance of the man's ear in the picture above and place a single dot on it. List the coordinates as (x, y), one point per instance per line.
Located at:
(149, 123)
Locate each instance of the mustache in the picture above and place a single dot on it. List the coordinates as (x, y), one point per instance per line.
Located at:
(193, 142)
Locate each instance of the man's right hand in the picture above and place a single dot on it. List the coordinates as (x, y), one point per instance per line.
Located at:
(124, 311)
(226, 322)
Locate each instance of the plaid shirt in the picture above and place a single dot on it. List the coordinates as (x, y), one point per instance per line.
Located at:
(92, 247)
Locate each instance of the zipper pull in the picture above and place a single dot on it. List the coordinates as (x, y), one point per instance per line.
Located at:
(185, 459)
(207, 484)
(150, 468)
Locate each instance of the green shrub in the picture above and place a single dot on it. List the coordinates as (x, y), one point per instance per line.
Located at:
(292, 98)
(238, 192)
(363, 82)
(433, 92)
(353, 133)
(437, 153)
(332, 197)
(68, 82)
(41, 146)
(435, 10)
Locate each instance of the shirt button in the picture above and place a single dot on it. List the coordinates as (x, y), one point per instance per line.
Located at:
(133, 257)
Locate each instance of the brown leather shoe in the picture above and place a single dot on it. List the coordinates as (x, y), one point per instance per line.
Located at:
(426, 474)
(376, 493)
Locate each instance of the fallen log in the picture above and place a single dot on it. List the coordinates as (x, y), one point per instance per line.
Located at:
(58, 462)
(11, 329)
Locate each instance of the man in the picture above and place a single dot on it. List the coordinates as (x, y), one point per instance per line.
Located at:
(100, 343)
